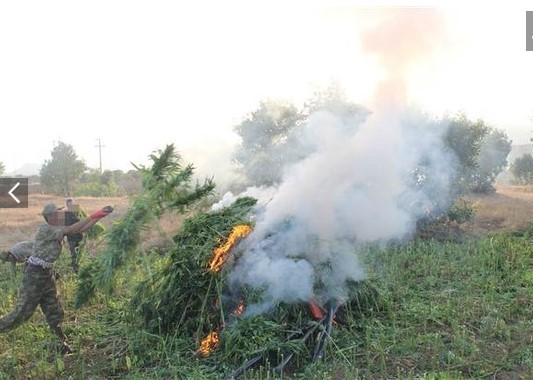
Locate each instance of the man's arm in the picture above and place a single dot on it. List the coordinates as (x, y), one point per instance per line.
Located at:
(86, 223)
(80, 226)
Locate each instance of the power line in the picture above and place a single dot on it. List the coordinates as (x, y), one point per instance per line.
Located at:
(100, 146)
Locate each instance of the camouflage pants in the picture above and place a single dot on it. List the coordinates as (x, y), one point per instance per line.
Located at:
(74, 248)
(38, 289)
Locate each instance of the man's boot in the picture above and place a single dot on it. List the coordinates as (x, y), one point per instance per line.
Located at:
(64, 348)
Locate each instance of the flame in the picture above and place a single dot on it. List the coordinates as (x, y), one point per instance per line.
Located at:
(220, 254)
(208, 344)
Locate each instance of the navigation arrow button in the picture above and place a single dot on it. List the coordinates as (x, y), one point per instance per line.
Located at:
(10, 192)
(13, 192)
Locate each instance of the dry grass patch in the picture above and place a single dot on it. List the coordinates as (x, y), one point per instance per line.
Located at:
(159, 233)
(510, 208)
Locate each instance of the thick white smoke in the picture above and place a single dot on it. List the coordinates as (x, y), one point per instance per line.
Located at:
(357, 184)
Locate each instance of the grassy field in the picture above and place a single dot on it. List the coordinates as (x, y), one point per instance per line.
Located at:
(441, 310)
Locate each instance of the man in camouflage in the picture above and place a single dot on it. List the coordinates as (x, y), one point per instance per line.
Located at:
(38, 286)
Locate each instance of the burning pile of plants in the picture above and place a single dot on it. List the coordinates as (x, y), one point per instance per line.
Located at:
(192, 292)
(192, 296)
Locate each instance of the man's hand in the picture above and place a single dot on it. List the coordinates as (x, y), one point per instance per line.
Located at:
(7, 256)
(102, 213)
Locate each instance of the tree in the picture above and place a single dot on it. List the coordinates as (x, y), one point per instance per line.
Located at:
(522, 169)
(2, 168)
(108, 183)
(271, 136)
(333, 99)
(96, 184)
(464, 138)
(60, 173)
(262, 153)
(492, 160)
(481, 152)
(130, 182)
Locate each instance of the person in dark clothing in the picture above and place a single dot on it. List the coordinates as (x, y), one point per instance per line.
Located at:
(74, 240)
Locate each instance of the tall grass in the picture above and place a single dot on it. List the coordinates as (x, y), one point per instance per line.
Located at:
(437, 311)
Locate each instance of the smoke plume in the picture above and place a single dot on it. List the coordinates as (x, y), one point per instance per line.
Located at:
(359, 183)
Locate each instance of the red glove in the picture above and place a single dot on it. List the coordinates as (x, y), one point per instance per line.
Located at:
(101, 213)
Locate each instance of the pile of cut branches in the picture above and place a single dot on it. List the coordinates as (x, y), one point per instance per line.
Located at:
(186, 298)
(185, 294)
(166, 186)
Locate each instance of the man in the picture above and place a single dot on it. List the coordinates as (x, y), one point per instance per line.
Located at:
(74, 240)
(38, 284)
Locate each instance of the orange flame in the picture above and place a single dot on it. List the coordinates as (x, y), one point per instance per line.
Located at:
(220, 254)
(208, 344)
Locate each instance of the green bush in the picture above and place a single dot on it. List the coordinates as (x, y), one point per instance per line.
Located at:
(95, 189)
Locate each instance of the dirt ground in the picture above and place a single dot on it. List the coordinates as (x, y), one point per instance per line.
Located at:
(510, 208)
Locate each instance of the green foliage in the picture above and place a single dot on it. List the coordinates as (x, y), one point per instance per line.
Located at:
(481, 152)
(252, 336)
(60, 173)
(96, 231)
(461, 211)
(261, 153)
(108, 184)
(451, 305)
(168, 184)
(122, 240)
(86, 289)
(98, 190)
(166, 187)
(445, 227)
(129, 182)
(2, 168)
(333, 99)
(269, 134)
(182, 295)
(492, 160)
(428, 311)
(464, 137)
(184, 298)
(522, 169)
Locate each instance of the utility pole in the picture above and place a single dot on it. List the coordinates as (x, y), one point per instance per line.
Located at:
(100, 146)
